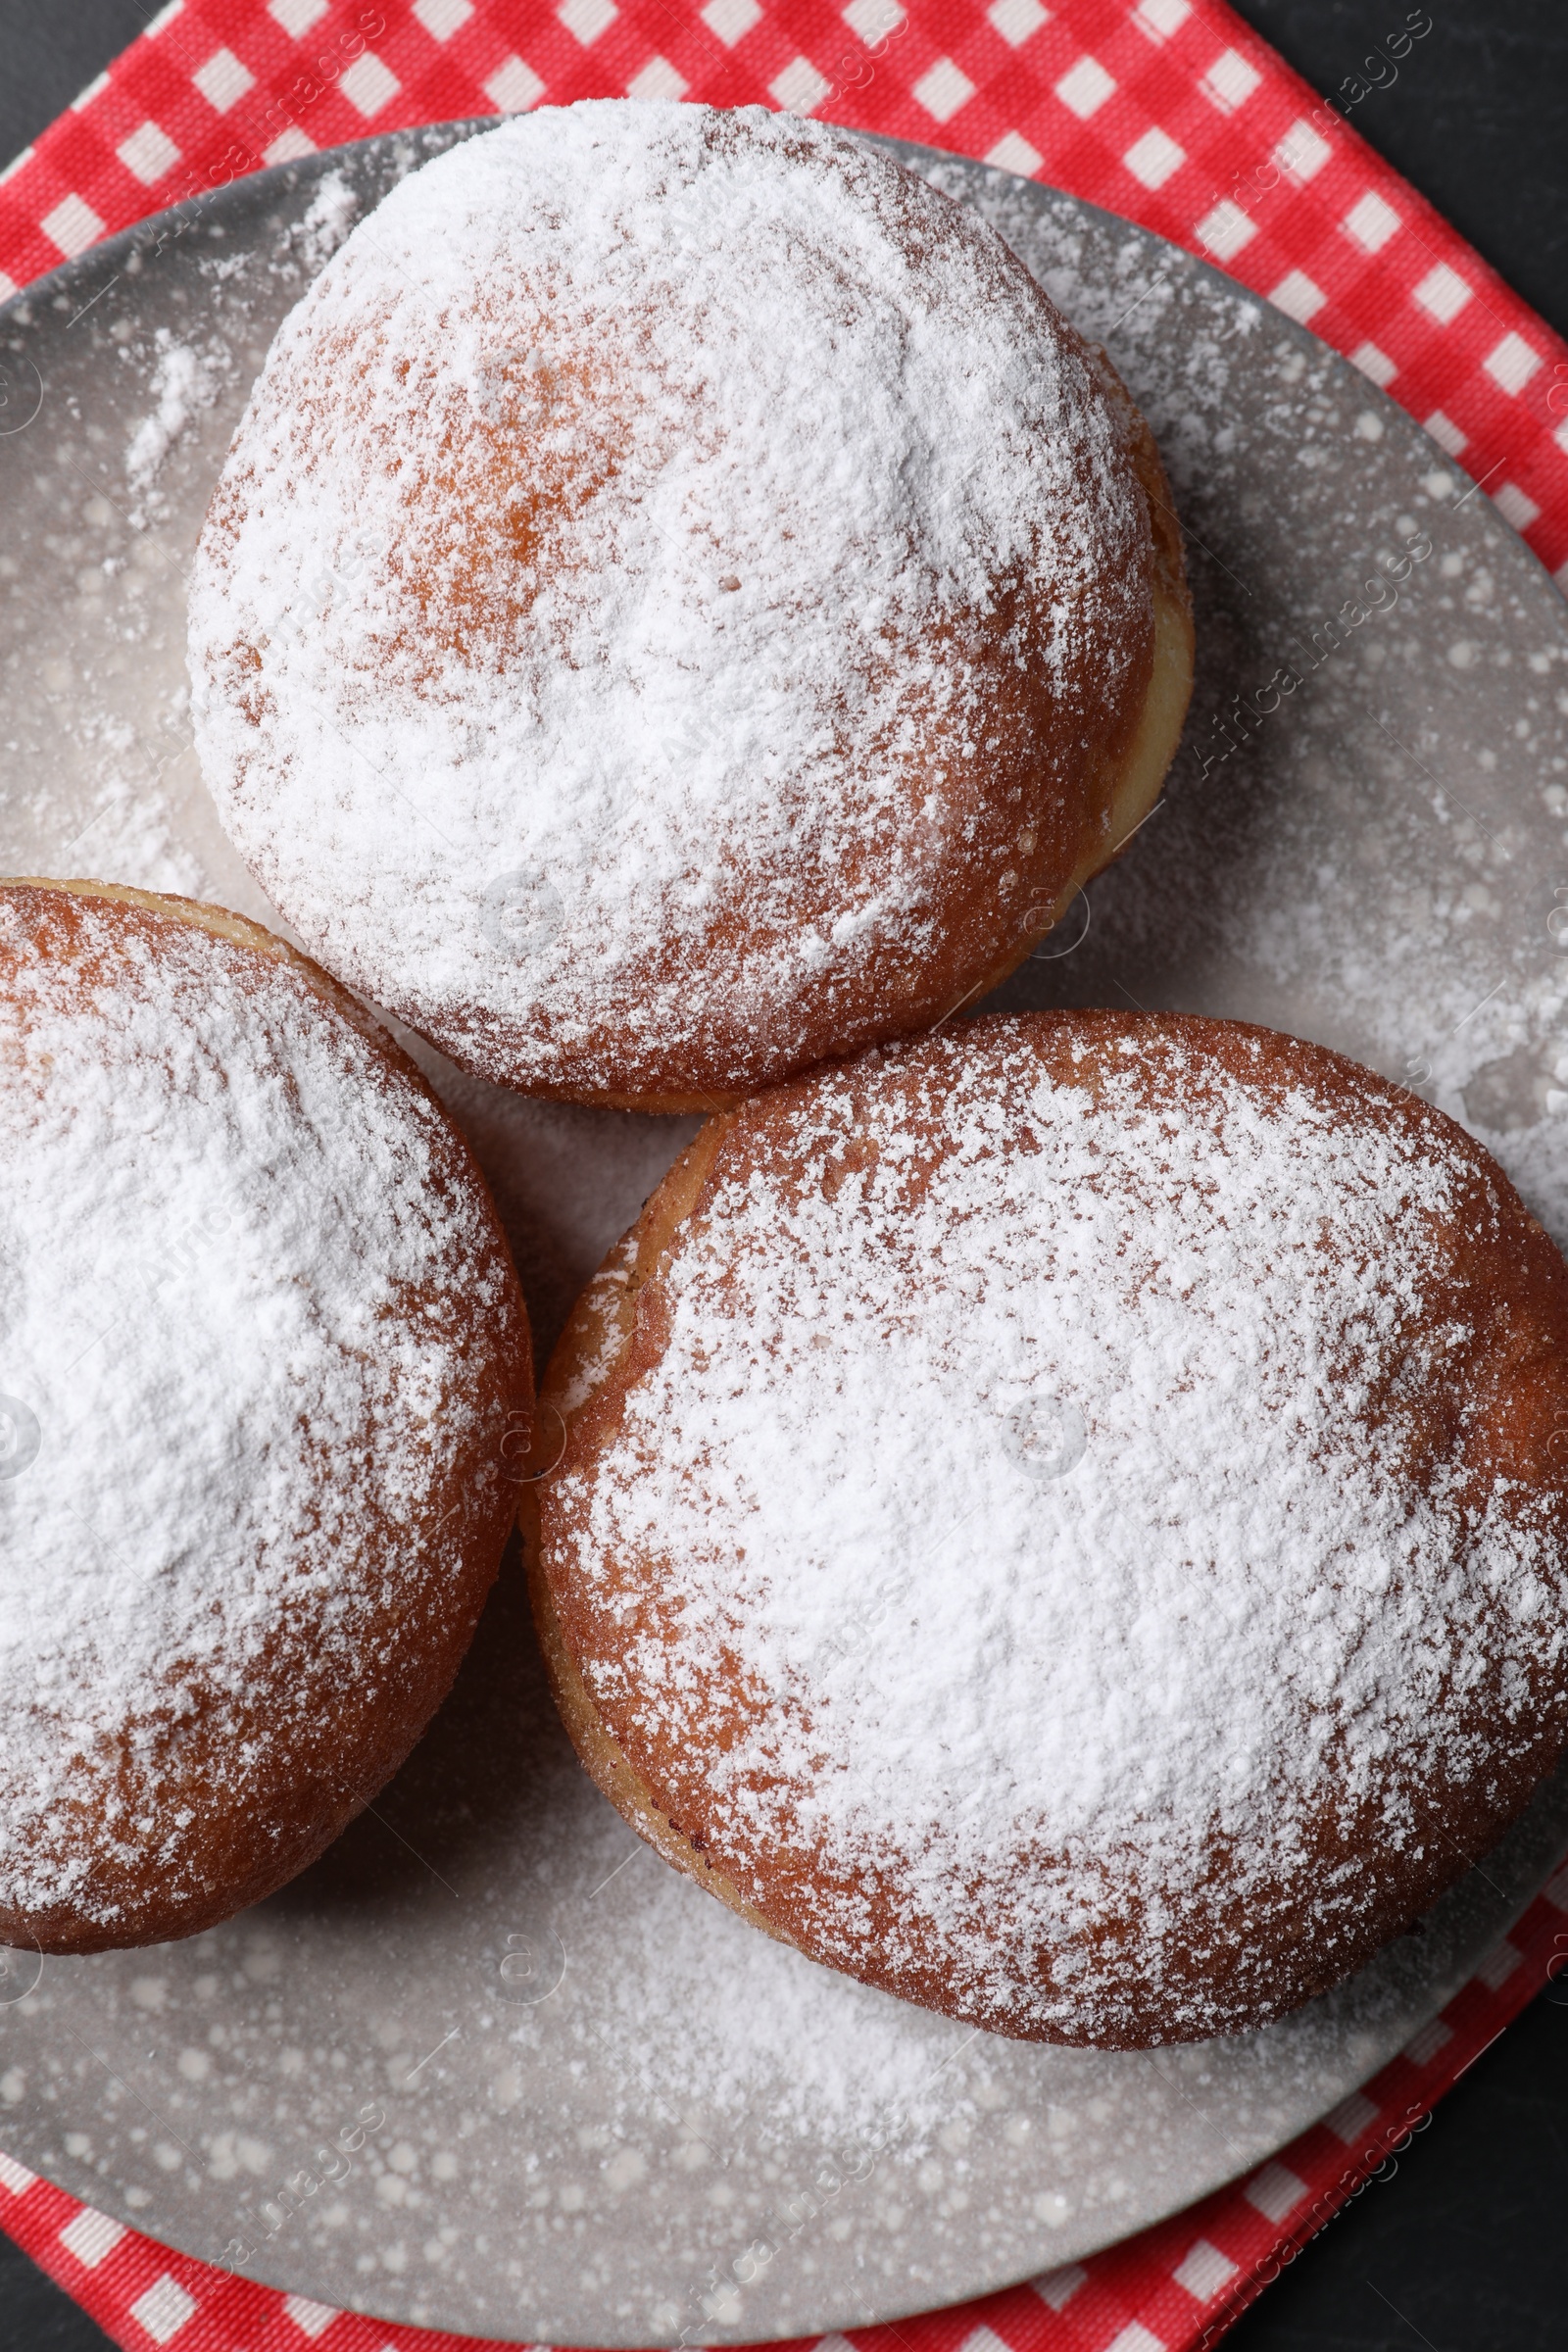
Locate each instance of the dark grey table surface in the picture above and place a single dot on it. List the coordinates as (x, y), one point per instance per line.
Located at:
(1462, 2246)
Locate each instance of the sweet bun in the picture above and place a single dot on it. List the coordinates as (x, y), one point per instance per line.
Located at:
(681, 605)
(265, 1380)
(1067, 1520)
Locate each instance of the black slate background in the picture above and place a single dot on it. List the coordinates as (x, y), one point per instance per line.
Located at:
(1463, 2246)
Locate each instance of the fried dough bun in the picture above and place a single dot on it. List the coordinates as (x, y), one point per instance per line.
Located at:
(1067, 1520)
(681, 606)
(266, 1389)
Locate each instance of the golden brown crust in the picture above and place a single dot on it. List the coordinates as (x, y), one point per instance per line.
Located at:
(606, 1764)
(239, 1797)
(597, 1326)
(596, 1332)
(222, 922)
(1498, 1414)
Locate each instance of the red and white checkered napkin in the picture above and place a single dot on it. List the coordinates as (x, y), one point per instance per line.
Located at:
(1174, 115)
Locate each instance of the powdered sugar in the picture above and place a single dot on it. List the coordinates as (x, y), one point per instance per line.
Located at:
(784, 2040)
(589, 640)
(183, 381)
(1029, 1494)
(218, 1209)
(327, 221)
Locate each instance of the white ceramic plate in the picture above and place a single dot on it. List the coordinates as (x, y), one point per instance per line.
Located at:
(490, 2066)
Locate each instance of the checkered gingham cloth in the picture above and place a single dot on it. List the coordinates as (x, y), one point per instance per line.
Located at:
(1174, 115)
